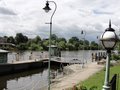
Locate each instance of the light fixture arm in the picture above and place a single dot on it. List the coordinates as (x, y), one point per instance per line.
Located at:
(53, 11)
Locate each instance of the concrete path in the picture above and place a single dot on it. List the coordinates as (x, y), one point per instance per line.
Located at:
(78, 74)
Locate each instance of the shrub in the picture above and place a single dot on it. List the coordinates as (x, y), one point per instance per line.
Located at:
(85, 88)
(115, 57)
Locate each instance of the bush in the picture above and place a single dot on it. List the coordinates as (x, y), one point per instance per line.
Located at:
(115, 57)
(85, 88)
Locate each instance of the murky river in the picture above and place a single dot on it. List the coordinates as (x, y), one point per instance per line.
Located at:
(37, 79)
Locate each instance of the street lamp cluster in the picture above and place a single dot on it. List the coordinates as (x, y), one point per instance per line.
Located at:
(108, 40)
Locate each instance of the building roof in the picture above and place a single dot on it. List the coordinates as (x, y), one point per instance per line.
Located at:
(3, 51)
(53, 46)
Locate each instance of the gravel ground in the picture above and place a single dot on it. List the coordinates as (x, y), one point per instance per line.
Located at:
(75, 74)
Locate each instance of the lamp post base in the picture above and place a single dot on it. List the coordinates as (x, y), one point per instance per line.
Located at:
(106, 87)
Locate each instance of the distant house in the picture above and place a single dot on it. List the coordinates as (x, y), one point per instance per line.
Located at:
(4, 44)
(3, 40)
(3, 56)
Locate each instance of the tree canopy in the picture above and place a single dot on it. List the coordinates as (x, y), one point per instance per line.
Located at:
(22, 42)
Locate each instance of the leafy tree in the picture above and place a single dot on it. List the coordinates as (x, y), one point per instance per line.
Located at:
(54, 37)
(20, 38)
(61, 39)
(73, 39)
(35, 47)
(70, 46)
(23, 43)
(11, 40)
(22, 46)
(81, 42)
(45, 44)
(62, 45)
(94, 45)
(75, 42)
(37, 40)
(86, 42)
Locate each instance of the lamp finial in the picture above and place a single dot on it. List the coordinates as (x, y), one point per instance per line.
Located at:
(110, 23)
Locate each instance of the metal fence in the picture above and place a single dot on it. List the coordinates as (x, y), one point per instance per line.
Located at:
(114, 83)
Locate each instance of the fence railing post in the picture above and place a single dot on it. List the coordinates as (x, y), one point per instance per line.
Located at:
(113, 82)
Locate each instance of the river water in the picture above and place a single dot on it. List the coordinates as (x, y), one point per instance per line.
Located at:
(37, 79)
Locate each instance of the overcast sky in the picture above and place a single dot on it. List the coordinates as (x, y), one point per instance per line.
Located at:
(72, 16)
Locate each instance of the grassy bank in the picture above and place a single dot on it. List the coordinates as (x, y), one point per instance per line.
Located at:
(97, 80)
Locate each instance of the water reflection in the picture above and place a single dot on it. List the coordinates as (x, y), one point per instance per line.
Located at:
(24, 80)
(28, 80)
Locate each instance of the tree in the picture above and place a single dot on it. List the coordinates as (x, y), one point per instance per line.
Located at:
(70, 46)
(86, 44)
(61, 39)
(75, 43)
(81, 42)
(35, 47)
(54, 37)
(22, 46)
(73, 39)
(11, 40)
(37, 40)
(45, 44)
(20, 38)
(94, 45)
(62, 45)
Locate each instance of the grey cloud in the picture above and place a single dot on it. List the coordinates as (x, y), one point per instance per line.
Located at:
(102, 12)
(6, 11)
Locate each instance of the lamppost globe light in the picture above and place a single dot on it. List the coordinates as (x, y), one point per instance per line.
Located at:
(109, 38)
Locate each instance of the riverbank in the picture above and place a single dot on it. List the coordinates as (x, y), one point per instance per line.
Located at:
(75, 75)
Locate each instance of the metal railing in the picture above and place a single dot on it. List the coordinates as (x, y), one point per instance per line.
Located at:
(114, 82)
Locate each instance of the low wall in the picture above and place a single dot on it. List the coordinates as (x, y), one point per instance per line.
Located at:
(17, 67)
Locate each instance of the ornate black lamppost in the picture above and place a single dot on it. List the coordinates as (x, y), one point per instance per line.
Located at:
(108, 40)
(47, 9)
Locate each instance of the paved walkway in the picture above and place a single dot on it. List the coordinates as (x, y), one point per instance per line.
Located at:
(78, 74)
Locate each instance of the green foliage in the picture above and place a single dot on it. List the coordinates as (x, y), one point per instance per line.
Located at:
(94, 45)
(54, 37)
(11, 40)
(36, 40)
(86, 42)
(20, 38)
(96, 81)
(115, 57)
(62, 45)
(22, 46)
(61, 39)
(74, 43)
(82, 87)
(35, 47)
(93, 88)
